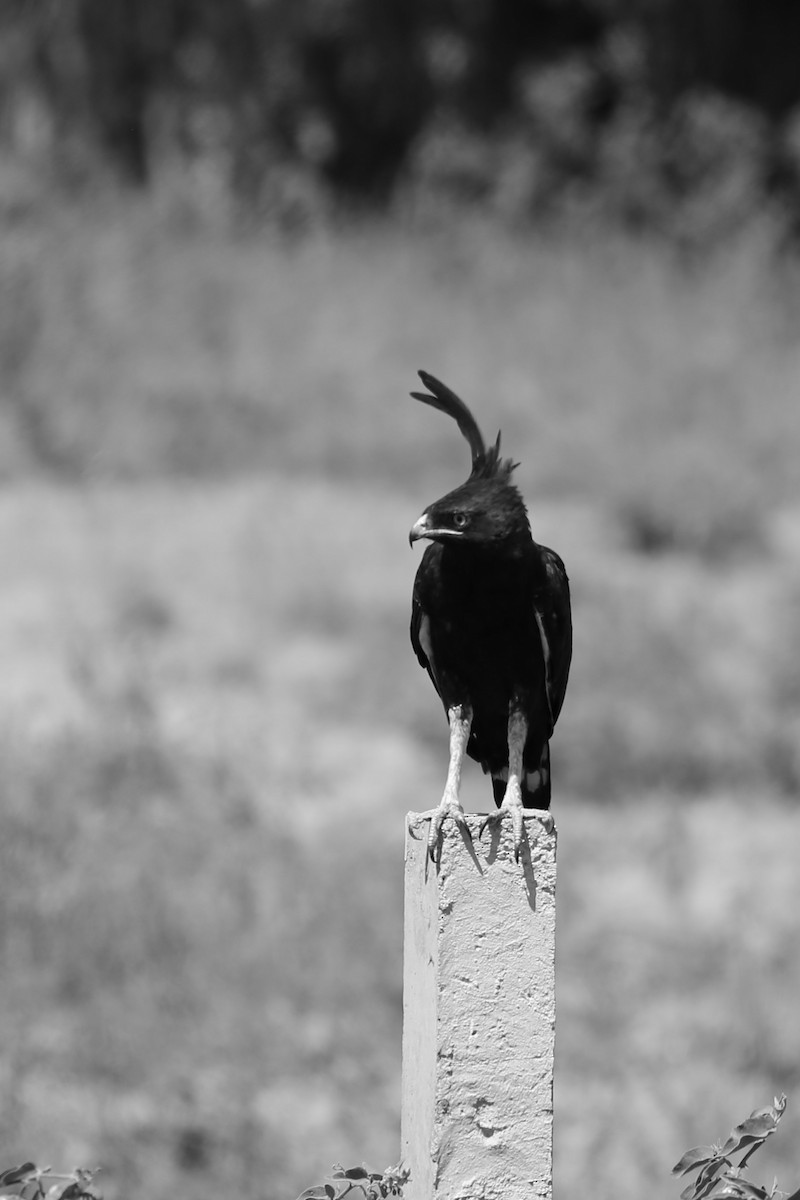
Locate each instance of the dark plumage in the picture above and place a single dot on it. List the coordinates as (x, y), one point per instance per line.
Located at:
(491, 624)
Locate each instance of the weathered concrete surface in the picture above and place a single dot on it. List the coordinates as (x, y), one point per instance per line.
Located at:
(479, 1015)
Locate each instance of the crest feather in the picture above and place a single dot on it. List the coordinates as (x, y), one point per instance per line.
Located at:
(486, 461)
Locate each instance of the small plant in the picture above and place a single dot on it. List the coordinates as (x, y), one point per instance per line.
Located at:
(718, 1178)
(41, 1183)
(373, 1185)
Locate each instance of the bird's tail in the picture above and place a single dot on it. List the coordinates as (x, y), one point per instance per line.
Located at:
(535, 783)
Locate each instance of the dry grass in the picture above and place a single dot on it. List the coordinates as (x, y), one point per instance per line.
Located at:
(212, 723)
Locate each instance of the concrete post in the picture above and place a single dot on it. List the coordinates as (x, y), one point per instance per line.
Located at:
(479, 1015)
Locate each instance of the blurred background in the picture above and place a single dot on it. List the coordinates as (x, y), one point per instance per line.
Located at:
(229, 235)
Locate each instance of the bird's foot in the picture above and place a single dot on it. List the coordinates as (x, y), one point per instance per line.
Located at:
(512, 806)
(449, 807)
(496, 818)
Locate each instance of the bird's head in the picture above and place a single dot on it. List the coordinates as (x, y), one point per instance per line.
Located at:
(486, 511)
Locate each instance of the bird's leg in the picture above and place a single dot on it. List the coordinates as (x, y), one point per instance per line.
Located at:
(512, 800)
(460, 717)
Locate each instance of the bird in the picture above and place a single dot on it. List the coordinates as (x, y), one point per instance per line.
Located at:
(491, 624)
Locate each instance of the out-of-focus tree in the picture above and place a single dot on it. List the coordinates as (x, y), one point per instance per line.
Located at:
(353, 92)
(745, 49)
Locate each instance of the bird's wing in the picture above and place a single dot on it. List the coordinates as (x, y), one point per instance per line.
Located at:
(554, 620)
(426, 603)
(421, 639)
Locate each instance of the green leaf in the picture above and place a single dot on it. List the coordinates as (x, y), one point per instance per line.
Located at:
(16, 1175)
(69, 1190)
(356, 1173)
(395, 1178)
(696, 1191)
(73, 1189)
(758, 1126)
(743, 1189)
(708, 1180)
(698, 1156)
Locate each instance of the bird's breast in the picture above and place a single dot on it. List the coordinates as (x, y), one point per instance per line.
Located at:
(487, 622)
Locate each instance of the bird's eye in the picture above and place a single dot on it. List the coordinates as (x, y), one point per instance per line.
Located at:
(459, 520)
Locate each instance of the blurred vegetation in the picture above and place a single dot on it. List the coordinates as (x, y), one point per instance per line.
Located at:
(716, 1174)
(229, 233)
(677, 115)
(212, 722)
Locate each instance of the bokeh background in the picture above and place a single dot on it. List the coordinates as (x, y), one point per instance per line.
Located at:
(229, 234)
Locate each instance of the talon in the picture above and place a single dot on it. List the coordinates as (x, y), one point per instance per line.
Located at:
(516, 826)
(437, 820)
(461, 822)
(509, 808)
(433, 838)
(447, 808)
(491, 819)
(547, 821)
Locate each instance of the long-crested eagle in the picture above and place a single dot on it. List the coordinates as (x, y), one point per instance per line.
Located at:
(491, 624)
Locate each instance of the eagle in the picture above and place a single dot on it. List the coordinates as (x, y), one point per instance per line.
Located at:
(491, 624)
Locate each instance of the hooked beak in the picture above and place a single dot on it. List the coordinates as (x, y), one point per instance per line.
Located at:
(418, 530)
(422, 528)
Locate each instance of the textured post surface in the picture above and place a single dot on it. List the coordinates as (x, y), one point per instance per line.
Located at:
(479, 1015)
